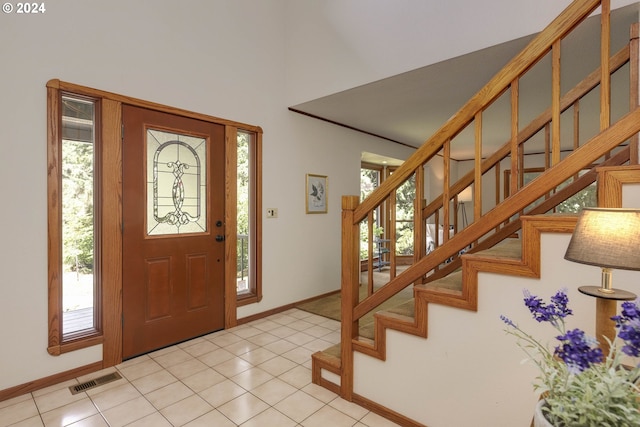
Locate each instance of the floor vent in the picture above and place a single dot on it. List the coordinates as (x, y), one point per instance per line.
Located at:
(96, 382)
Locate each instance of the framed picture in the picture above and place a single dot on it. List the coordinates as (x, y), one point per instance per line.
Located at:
(316, 197)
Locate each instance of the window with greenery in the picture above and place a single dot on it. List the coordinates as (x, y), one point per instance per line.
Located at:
(405, 196)
(370, 179)
(583, 199)
(74, 155)
(78, 219)
(371, 176)
(248, 219)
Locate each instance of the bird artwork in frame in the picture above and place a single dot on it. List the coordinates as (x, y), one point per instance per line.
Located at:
(316, 197)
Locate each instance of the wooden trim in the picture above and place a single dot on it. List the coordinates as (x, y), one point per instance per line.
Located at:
(514, 148)
(385, 412)
(282, 308)
(611, 181)
(446, 194)
(54, 219)
(605, 76)
(75, 88)
(555, 103)
(230, 226)
(41, 383)
(350, 283)
(258, 214)
(477, 178)
(112, 232)
(333, 122)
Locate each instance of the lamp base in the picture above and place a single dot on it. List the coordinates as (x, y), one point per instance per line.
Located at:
(599, 292)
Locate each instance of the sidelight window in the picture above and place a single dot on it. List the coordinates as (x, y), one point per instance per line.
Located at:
(74, 256)
(248, 217)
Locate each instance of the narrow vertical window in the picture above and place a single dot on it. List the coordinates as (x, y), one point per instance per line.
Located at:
(248, 217)
(78, 166)
(74, 260)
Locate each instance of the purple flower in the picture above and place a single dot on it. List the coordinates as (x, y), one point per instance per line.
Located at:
(543, 312)
(577, 352)
(628, 323)
(560, 301)
(508, 321)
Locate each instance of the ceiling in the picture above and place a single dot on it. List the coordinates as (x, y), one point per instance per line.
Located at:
(410, 107)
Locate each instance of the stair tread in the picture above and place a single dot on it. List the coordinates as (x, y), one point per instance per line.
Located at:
(453, 281)
(508, 248)
(407, 308)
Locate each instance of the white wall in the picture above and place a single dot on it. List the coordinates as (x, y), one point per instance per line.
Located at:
(222, 58)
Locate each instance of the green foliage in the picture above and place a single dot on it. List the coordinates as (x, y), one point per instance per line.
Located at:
(405, 199)
(77, 209)
(243, 181)
(603, 395)
(586, 198)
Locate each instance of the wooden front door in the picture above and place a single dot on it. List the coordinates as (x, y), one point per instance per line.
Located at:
(173, 238)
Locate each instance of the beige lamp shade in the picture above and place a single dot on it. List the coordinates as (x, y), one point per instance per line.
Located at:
(607, 238)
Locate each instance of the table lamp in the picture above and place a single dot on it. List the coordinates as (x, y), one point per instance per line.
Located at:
(610, 239)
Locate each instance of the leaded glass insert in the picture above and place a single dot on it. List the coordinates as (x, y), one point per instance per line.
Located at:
(176, 183)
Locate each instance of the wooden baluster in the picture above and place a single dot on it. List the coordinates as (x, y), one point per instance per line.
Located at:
(515, 167)
(446, 194)
(371, 237)
(419, 228)
(634, 88)
(477, 179)
(555, 103)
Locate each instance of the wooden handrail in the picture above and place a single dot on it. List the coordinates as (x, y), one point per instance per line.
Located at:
(605, 141)
(568, 100)
(575, 13)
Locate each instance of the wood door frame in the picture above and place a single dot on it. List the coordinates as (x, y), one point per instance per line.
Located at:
(111, 224)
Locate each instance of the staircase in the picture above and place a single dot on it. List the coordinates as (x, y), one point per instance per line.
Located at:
(446, 285)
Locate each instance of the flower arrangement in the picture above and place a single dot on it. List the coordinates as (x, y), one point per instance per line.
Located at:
(581, 385)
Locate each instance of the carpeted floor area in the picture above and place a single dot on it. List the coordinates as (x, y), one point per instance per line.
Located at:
(330, 306)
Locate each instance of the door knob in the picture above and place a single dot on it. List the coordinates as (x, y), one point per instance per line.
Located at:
(219, 238)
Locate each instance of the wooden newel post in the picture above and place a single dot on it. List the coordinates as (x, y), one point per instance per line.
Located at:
(350, 282)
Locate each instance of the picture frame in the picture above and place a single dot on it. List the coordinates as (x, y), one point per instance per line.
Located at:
(316, 194)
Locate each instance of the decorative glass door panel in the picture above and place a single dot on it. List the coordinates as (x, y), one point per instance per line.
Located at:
(176, 183)
(173, 209)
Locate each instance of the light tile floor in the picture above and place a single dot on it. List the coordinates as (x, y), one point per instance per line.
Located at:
(254, 375)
